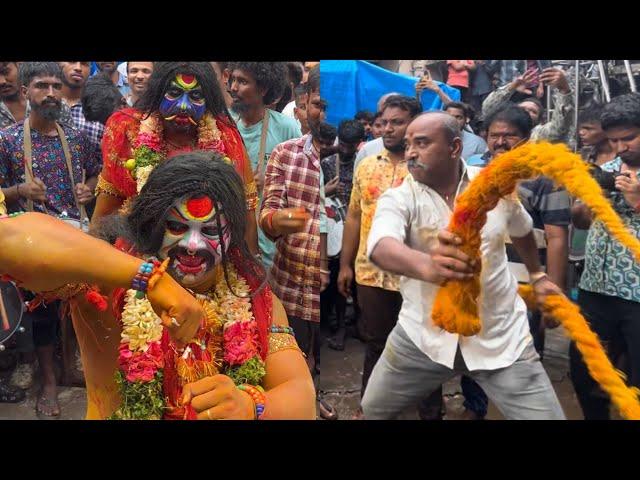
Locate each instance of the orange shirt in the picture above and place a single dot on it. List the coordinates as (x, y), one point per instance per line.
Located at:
(374, 176)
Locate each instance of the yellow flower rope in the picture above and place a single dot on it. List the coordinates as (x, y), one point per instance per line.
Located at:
(455, 307)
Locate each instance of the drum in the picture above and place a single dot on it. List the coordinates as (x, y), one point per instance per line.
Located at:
(336, 215)
(80, 225)
(12, 307)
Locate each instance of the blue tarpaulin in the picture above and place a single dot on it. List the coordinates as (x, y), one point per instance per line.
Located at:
(349, 86)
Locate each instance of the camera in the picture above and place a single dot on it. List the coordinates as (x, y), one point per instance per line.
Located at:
(606, 180)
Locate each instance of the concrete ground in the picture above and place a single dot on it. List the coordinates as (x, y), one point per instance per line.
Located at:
(341, 379)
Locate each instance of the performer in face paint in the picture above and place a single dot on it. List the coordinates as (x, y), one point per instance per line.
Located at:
(182, 110)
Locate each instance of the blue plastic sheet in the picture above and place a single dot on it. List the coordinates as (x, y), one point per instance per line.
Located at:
(349, 86)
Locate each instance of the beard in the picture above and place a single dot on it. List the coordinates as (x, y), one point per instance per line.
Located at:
(239, 107)
(48, 111)
(397, 148)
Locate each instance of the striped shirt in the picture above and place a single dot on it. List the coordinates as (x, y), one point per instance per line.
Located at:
(292, 179)
(546, 203)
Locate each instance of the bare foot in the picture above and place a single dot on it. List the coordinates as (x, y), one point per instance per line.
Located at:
(47, 404)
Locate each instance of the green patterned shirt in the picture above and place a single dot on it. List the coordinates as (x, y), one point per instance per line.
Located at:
(609, 268)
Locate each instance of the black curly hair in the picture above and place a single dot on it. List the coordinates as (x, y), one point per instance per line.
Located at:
(165, 72)
(270, 76)
(190, 174)
(622, 111)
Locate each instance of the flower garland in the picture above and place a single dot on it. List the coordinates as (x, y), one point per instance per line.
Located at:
(455, 306)
(228, 342)
(150, 148)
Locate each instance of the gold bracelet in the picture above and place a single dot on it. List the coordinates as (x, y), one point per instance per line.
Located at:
(535, 277)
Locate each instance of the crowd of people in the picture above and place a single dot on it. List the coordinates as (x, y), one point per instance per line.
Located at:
(398, 183)
(192, 225)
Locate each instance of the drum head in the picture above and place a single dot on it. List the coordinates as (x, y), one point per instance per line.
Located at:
(13, 308)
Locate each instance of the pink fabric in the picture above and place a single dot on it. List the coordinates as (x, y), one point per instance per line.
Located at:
(458, 78)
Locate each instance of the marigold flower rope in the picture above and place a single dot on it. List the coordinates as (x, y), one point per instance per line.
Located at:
(455, 307)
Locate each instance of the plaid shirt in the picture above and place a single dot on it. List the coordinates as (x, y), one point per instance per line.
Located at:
(93, 130)
(292, 179)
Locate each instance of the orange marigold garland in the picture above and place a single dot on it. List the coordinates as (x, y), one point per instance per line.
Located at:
(455, 307)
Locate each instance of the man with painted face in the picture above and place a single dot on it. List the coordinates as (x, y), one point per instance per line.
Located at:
(207, 339)
(181, 110)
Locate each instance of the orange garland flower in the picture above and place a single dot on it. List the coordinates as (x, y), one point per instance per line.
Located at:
(455, 308)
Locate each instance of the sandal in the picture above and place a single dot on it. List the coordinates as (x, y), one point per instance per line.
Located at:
(11, 395)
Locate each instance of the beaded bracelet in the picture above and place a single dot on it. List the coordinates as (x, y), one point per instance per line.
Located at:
(141, 281)
(280, 329)
(257, 395)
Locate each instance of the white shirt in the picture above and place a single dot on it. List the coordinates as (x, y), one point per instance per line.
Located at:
(412, 212)
(373, 147)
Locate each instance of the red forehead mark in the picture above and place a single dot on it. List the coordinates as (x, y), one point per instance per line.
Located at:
(199, 207)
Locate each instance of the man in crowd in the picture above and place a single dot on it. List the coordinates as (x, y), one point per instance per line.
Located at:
(138, 74)
(407, 238)
(338, 176)
(375, 146)
(254, 85)
(595, 145)
(13, 105)
(291, 217)
(550, 208)
(366, 119)
(520, 89)
(377, 290)
(118, 79)
(609, 294)
(300, 111)
(49, 180)
(75, 75)
(376, 127)
(472, 144)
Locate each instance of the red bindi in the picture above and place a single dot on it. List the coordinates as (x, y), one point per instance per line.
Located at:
(188, 79)
(199, 207)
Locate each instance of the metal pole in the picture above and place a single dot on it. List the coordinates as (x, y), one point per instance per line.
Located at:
(576, 105)
(632, 81)
(603, 81)
(548, 103)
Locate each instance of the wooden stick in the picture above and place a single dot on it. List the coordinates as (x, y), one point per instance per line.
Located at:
(5, 317)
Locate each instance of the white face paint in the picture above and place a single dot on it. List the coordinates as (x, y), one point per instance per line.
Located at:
(193, 241)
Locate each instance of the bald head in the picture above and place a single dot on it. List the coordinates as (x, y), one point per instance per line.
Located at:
(438, 121)
(433, 147)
